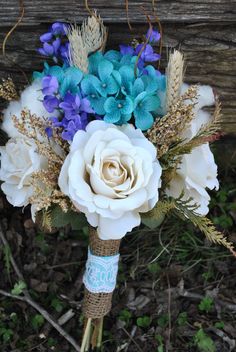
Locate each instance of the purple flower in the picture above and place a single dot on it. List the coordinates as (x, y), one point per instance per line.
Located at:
(56, 45)
(147, 55)
(73, 126)
(73, 106)
(52, 43)
(50, 103)
(154, 36)
(46, 50)
(127, 50)
(49, 85)
(64, 51)
(49, 131)
(74, 112)
(46, 37)
(50, 49)
(58, 28)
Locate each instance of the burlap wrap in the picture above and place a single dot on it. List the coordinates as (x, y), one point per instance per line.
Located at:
(97, 305)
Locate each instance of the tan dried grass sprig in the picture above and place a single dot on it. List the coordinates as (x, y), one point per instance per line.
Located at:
(8, 90)
(174, 74)
(44, 182)
(90, 38)
(208, 132)
(78, 54)
(167, 130)
(93, 33)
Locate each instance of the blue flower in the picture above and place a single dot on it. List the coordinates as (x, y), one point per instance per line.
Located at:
(127, 78)
(74, 116)
(49, 131)
(144, 104)
(127, 50)
(56, 71)
(70, 81)
(118, 110)
(154, 36)
(58, 28)
(50, 103)
(46, 37)
(105, 83)
(73, 106)
(147, 54)
(52, 43)
(94, 60)
(96, 101)
(49, 85)
(73, 126)
(64, 52)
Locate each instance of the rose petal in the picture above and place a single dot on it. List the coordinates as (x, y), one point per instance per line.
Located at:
(116, 229)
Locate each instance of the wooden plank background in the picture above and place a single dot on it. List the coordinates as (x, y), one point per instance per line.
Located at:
(205, 30)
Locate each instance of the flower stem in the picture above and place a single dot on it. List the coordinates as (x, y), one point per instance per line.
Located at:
(99, 341)
(86, 336)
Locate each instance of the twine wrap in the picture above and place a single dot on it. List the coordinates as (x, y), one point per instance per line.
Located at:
(97, 305)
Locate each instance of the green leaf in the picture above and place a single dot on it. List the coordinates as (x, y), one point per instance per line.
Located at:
(51, 342)
(37, 321)
(6, 334)
(125, 315)
(163, 321)
(18, 288)
(57, 305)
(204, 342)
(152, 222)
(155, 217)
(182, 319)
(61, 219)
(219, 325)
(154, 268)
(206, 304)
(225, 221)
(159, 339)
(144, 322)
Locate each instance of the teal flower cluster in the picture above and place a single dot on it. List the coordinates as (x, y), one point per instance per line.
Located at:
(119, 91)
(67, 77)
(120, 86)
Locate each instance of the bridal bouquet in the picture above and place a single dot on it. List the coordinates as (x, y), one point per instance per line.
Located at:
(105, 134)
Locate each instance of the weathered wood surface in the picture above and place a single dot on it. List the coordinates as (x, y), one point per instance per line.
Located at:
(204, 30)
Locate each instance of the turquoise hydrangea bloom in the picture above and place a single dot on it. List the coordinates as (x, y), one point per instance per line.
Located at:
(118, 91)
(96, 101)
(144, 105)
(56, 71)
(118, 110)
(104, 83)
(70, 82)
(68, 78)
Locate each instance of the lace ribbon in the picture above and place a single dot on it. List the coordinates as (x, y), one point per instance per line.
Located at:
(101, 272)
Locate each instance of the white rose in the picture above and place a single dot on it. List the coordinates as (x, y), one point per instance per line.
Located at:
(197, 170)
(19, 159)
(111, 174)
(31, 98)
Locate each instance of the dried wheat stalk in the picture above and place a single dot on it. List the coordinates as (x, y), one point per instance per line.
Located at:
(174, 75)
(78, 54)
(94, 33)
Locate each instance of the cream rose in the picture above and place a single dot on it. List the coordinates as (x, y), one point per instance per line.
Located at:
(19, 159)
(197, 170)
(111, 174)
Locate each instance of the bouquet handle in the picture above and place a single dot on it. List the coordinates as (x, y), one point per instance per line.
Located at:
(98, 304)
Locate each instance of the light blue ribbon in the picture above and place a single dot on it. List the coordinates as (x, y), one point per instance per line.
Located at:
(101, 272)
